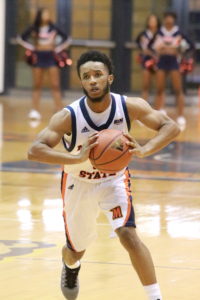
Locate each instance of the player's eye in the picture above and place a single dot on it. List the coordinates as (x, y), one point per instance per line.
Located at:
(98, 75)
(85, 76)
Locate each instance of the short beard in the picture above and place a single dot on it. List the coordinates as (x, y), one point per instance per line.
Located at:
(106, 90)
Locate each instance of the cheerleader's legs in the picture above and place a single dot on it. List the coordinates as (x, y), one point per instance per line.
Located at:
(146, 83)
(177, 86)
(38, 75)
(160, 89)
(54, 79)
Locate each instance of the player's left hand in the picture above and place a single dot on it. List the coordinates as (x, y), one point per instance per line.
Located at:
(135, 148)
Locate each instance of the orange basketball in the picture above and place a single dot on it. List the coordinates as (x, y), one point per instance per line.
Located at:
(111, 154)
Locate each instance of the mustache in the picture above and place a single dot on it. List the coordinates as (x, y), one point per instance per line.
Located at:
(105, 91)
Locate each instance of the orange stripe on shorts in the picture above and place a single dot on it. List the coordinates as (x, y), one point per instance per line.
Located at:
(126, 182)
(64, 183)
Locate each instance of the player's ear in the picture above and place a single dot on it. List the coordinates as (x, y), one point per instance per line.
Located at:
(110, 78)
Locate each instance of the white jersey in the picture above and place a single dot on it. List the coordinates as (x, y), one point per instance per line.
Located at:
(83, 125)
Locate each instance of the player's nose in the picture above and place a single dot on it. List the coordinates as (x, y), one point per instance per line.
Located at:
(93, 80)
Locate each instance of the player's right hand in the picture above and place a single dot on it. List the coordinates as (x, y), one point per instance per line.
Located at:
(86, 148)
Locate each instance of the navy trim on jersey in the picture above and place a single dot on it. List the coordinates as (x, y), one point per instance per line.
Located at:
(73, 141)
(89, 120)
(126, 113)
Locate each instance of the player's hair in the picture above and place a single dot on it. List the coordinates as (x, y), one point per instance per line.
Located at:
(38, 18)
(157, 19)
(94, 55)
(170, 14)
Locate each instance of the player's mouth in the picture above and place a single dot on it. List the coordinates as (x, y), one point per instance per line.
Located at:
(95, 90)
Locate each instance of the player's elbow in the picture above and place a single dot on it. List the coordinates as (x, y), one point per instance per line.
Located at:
(30, 154)
(33, 153)
(175, 130)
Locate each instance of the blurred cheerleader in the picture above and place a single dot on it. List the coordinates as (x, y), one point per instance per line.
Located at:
(169, 44)
(146, 57)
(46, 41)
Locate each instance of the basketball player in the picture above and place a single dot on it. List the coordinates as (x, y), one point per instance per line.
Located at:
(85, 190)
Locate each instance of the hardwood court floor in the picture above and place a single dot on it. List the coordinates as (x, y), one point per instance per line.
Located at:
(167, 204)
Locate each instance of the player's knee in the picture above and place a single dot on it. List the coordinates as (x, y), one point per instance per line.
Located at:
(129, 239)
(178, 92)
(146, 89)
(160, 91)
(55, 86)
(37, 86)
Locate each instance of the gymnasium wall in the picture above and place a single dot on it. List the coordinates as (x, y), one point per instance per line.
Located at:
(92, 20)
(2, 44)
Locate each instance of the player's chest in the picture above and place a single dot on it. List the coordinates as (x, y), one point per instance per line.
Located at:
(85, 131)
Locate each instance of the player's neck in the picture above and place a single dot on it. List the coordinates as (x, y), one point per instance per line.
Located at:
(99, 107)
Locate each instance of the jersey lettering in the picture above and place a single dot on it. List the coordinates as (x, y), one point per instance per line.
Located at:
(82, 174)
(117, 212)
(89, 175)
(118, 121)
(95, 174)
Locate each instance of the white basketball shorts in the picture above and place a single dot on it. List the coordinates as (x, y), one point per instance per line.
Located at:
(82, 202)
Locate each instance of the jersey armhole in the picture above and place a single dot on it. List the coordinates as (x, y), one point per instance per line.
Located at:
(126, 113)
(70, 147)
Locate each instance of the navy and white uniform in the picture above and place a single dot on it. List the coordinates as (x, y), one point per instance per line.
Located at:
(173, 38)
(143, 40)
(86, 190)
(45, 35)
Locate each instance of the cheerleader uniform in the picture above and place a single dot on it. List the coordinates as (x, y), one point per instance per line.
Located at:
(173, 38)
(45, 35)
(143, 41)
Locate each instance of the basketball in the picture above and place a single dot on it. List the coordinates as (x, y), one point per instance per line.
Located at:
(111, 154)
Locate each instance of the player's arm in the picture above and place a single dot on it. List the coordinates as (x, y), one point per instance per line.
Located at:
(167, 129)
(42, 148)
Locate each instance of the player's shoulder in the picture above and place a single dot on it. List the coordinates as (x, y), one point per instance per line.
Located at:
(159, 32)
(74, 104)
(61, 121)
(135, 101)
(141, 34)
(117, 96)
(136, 106)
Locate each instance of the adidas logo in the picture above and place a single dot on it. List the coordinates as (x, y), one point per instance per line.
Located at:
(71, 187)
(85, 129)
(118, 121)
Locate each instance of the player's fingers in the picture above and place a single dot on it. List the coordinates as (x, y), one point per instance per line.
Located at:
(92, 138)
(131, 144)
(93, 145)
(128, 136)
(137, 152)
(96, 134)
(134, 151)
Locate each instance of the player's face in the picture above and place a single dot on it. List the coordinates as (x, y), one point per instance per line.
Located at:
(153, 22)
(95, 80)
(169, 22)
(46, 16)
